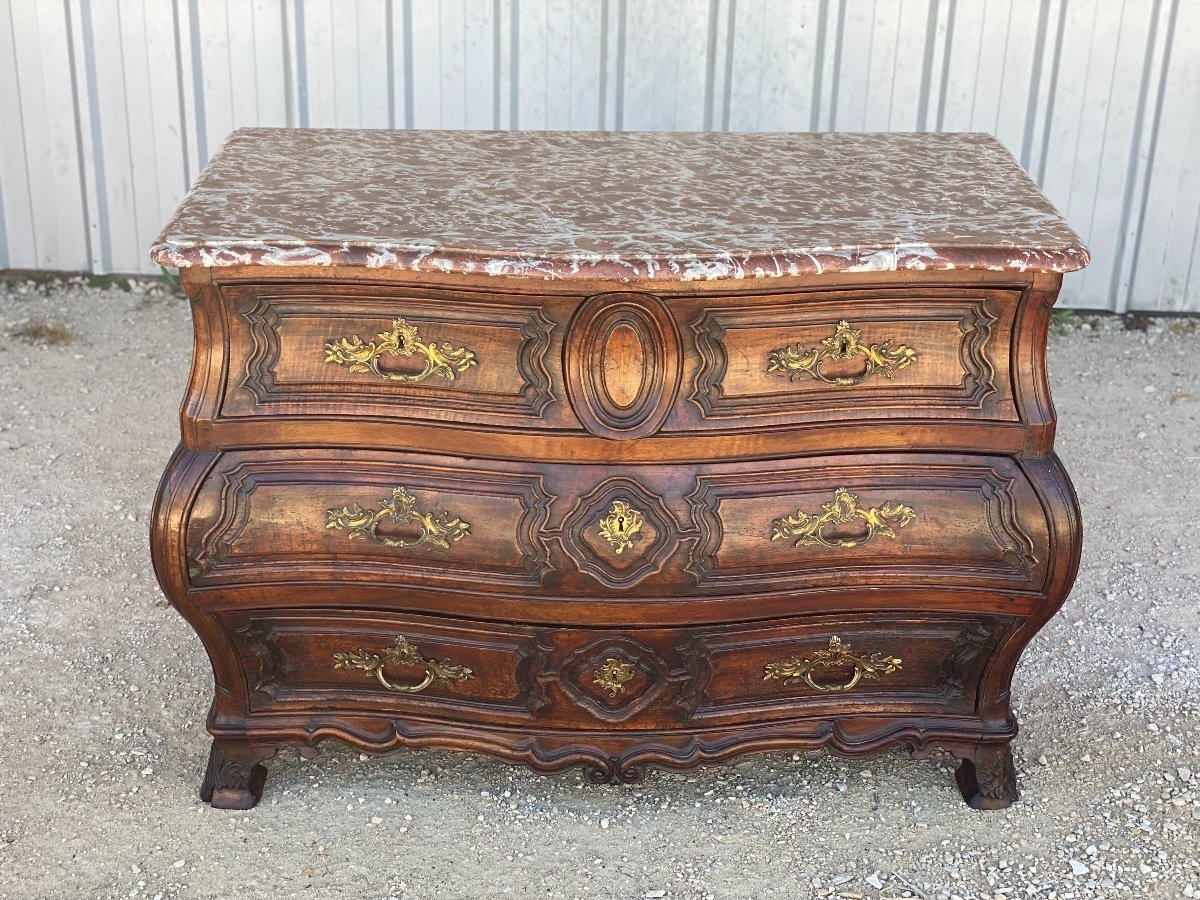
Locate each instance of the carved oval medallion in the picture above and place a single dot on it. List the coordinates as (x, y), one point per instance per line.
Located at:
(622, 364)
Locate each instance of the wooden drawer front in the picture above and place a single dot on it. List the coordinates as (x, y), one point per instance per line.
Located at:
(335, 661)
(306, 349)
(885, 520)
(856, 664)
(354, 517)
(592, 678)
(925, 353)
(410, 523)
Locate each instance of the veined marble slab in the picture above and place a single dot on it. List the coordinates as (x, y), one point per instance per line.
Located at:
(636, 206)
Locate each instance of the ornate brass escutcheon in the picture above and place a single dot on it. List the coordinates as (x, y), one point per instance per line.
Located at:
(612, 676)
(438, 530)
(402, 653)
(799, 362)
(838, 655)
(842, 510)
(402, 340)
(621, 527)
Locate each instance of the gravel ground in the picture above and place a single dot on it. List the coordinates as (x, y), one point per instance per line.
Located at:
(104, 689)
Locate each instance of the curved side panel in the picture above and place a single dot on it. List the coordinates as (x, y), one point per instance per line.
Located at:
(1058, 498)
(173, 502)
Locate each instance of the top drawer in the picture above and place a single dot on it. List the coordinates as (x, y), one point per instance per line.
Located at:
(618, 365)
(919, 353)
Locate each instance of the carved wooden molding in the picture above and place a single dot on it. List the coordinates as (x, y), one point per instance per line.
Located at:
(215, 561)
(534, 675)
(623, 757)
(265, 315)
(271, 690)
(1016, 561)
(973, 645)
(649, 675)
(622, 362)
(975, 319)
(583, 540)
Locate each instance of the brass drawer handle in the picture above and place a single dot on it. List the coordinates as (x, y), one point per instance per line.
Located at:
(839, 654)
(402, 340)
(799, 362)
(842, 510)
(438, 530)
(407, 655)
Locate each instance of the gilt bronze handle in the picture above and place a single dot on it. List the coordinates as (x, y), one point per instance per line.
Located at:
(438, 530)
(407, 655)
(838, 655)
(799, 362)
(402, 340)
(843, 509)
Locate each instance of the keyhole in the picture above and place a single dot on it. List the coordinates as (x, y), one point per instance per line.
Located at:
(620, 523)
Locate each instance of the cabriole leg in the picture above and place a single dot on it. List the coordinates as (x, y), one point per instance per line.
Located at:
(988, 777)
(235, 775)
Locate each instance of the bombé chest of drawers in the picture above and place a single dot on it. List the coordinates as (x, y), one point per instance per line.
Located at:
(616, 450)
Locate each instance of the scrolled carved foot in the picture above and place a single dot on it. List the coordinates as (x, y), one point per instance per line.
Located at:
(988, 777)
(235, 775)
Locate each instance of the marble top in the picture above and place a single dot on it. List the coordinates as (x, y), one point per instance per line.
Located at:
(636, 206)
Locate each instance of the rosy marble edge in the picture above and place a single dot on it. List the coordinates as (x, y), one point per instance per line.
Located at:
(980, 186)
(581, 266)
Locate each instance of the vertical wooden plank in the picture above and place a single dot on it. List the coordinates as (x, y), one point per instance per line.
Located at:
(855, 43)
(611, 87)
(46, 123)
(829, 46)
(508, 84)
(665, 45)
(479, 65)
(1007, 104)
(1047, 64)
(1166, 268)
(719, 65)
(452, 70)
(268, 43)
(532, 62)
(14, 167)
(975, 55)
(322, 25)
(186, 47)
(213, 73)
(90, 144)
(117, 199)
(584, 86)
(400, 18)
(1095, 115)
(372, 64)
(899, 94)
(153, 122)
(775, 45)
(883, 70)
(346, 63)
(881, 66)
(559, 61)
(426, 46)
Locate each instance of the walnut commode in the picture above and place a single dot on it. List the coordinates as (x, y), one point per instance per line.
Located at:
(616, 450)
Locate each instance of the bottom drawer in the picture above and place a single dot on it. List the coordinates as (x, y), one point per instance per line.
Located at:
(352, 662)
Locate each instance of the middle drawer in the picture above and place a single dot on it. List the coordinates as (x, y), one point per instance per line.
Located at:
(907, 525)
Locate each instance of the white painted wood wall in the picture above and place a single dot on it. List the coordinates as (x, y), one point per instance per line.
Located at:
(109, 108)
